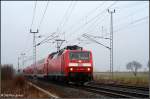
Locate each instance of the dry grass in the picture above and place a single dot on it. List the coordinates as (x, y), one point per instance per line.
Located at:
(19, 86)
(123, 78)
(16, 85)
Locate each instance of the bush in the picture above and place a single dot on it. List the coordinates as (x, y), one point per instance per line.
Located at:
(7, 72)
(19, 81)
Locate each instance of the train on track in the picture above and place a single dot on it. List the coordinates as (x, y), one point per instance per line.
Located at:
(70, 64)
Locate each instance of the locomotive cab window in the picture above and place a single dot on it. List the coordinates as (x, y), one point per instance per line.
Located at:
(79, 55)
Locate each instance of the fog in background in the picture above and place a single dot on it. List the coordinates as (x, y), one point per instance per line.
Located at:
(71, 19)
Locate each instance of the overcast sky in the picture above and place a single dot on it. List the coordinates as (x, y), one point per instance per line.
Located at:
(70, 19)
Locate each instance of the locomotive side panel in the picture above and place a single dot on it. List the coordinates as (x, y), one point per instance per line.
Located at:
(54, 66)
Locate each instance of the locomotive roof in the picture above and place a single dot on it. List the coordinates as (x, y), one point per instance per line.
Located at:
(73, 47)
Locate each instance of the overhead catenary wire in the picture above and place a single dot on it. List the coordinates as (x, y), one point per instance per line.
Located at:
(63, 18)
(130, 5)
(96, 21)
(131, 23)
(126, 16)
(81, 27)
(67, 18)
(34, 11)
(134, 22)
(55, 33)
(129, 15)
(103, 20)
(46, 39)
(69, 14)
(93, 26)
(43, 15)
(86, 36)
(64, 15)
(88, 14)
(81, 41)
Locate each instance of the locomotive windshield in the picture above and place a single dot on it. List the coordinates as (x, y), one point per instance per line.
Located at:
(79, 55)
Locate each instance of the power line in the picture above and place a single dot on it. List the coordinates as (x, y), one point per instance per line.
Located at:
(103, 20)
(43, 15)
(135, 21)
(61, 22)
(34, 10)
(69, 14)
(128, 16)
(129, 6)
(89, 13)
(96, 21)
(81, 41)
(47, 39)
(95, 17)
(88, 37)
(81, 27)
(125, 17)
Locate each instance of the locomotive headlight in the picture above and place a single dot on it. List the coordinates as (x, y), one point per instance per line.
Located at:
(86, 64)
(73, 64)
(88, 69)
(71, 69)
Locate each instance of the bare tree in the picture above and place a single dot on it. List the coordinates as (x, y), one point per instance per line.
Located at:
(133, 66)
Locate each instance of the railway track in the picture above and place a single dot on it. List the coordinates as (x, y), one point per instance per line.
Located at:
(122, 86)
(120, 92)
(103, 92)
(116, 91)
(108, 91)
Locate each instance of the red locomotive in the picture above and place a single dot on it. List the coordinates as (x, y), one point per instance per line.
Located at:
(70, 64)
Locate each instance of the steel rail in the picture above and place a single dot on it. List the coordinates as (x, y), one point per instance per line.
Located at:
(119, 91)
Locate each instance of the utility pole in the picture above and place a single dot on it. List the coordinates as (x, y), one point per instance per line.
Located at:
(34, 48)
(22, 54)
(59, 43)
(111, 41)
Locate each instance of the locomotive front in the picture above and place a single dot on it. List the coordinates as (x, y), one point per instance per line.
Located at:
(80, 66)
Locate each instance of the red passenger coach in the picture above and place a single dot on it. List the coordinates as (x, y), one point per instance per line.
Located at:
(70, 64)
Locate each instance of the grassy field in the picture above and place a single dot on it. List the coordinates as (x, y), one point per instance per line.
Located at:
(142, 78)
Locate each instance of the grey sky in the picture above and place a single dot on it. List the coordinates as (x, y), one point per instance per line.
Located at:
(131, 29)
